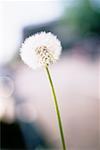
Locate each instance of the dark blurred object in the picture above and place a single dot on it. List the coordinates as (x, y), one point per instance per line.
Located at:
(30, 30)
(21, 136)
(88, 47)
(33, 138)
(55, 27)
(11, 136)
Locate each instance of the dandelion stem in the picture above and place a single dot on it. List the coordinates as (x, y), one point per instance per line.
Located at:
(57, 109)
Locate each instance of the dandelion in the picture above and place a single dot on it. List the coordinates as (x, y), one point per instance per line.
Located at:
(42, 50)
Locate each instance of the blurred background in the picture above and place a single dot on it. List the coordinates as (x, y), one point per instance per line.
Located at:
(27, 116)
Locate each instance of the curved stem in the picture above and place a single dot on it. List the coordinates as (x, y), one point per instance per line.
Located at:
(57, 110)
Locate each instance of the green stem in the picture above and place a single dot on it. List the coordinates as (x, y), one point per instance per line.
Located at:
(57, 109)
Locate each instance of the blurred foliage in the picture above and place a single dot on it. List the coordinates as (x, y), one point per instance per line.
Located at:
(83, 18)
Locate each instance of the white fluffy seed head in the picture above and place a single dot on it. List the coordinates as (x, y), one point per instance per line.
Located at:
(41, 49)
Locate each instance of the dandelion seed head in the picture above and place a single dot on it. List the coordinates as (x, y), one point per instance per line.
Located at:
(41, 49)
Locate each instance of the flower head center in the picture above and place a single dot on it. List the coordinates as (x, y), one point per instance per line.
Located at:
(44, 55)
